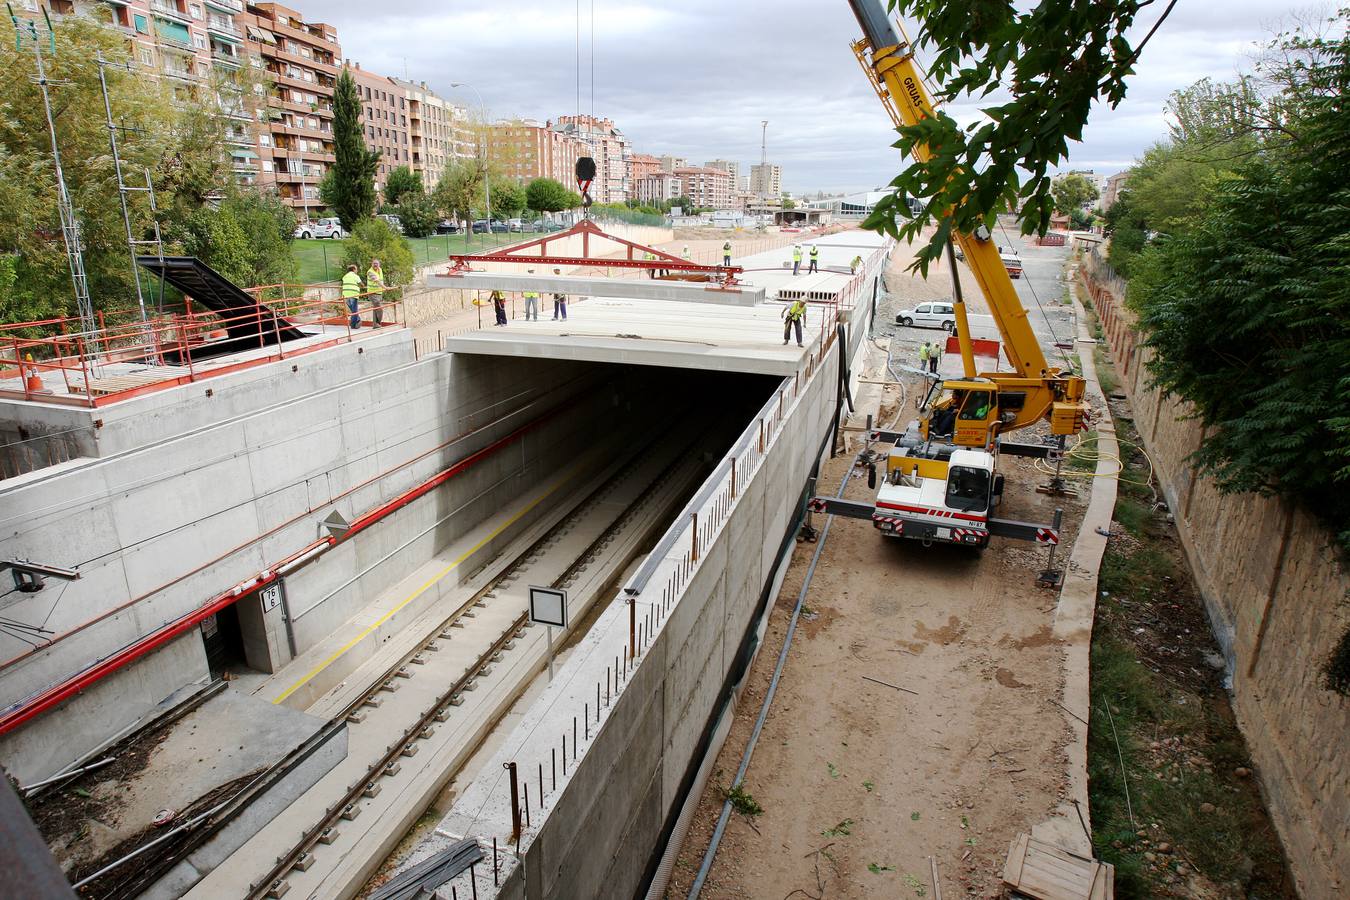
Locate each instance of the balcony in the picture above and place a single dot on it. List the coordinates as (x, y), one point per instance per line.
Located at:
(229, 6)
(223, 28)
(170, 11)
(225, 58)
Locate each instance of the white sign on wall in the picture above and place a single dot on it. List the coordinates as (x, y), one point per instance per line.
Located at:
(270, 597)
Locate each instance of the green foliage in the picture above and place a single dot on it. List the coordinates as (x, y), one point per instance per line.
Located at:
(1248, 309)
(459, 193)
(377, 239)
(417, 213)
(548, 195)
(1127, 229)
(246, 237)
(402, 180)
(179, 145)
(508, 198)
(351, 190)
(1072, 192)
(1058, 57)
(743, 801)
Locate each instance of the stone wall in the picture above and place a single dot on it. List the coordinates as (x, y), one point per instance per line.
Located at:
(1276, 596)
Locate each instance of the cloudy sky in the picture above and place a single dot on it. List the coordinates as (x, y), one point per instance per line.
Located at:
(696, 77)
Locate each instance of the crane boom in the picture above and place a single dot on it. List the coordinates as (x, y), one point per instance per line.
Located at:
(1044, 392)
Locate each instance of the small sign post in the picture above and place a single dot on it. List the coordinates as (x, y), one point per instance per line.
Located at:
(548, 606)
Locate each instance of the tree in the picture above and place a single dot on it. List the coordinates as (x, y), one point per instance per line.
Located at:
(352, 188)
(402, 180)
(1072, 192)
(376, 239)
(547, 195)
(1058, 57)
(684, 203)
(246, 237)
(459, 193)
(1247, 304)
(508, 198)
(417, 214)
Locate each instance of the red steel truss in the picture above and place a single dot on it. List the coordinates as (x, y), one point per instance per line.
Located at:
(587, 230)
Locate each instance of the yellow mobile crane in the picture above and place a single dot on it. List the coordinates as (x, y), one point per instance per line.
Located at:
(940, 482)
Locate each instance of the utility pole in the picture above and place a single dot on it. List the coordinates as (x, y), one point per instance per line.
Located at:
(70, 227)
(764, 142)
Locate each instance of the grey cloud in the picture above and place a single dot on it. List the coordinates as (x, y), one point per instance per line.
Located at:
(696, 78)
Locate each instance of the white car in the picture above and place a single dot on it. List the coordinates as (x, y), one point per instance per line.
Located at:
(323, 228)
(938, 314)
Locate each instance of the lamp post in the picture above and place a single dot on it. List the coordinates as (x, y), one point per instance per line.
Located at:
(487, 174)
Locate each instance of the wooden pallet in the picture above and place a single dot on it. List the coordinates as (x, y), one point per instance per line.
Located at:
(113, 384)
(1043, 871)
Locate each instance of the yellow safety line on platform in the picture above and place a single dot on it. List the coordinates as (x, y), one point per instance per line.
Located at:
(337, 654)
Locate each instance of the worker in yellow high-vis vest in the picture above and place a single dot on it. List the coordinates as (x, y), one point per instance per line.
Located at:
(375, 290)
(351, 289)
(793, 317)
(796, 258)
(815, 258)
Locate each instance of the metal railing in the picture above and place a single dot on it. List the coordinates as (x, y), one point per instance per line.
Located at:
(54, 361)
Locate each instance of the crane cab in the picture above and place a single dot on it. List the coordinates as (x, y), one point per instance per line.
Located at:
(967, 417)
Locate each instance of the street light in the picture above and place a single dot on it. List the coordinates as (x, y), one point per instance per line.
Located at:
(487, 174)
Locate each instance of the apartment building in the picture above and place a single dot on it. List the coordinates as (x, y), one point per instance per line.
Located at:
(384, 107)
(295, 125)
(766, 180)
(609, 147)
(706, 188)
(525, 149)
(1115, 184)
(658, 187)
(439, 131)
(641, 165)
(725, 165)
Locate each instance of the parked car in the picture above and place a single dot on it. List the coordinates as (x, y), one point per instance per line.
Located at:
(445, 226)
(544, 225)
(323, 228)
(394, 221)
(499, 227)
(928, 315)
(480, 226)
(515, 225)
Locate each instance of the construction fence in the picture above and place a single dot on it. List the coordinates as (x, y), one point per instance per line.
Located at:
(1276, 596)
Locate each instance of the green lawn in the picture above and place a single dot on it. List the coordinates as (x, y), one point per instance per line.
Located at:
(322, 260)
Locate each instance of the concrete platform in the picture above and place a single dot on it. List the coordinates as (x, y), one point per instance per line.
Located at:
(654, 333)
(580, 286)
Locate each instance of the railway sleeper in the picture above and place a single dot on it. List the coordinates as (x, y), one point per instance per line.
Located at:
(351, 811)
(393, 768)
(389, 686)
(403, 672)
(410, 750)
(303, 861)
(328, 835)
(278, 889)
(371, 790)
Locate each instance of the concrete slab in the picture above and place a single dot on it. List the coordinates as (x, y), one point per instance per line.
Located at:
(654, 333)
(582, 286)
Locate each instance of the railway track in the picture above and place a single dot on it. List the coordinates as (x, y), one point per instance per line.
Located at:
(388, 728)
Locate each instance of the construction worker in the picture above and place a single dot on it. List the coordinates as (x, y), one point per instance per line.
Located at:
(815, 258)
(559, 302)
(531, 302)
(796, 258)
(855, 265)
(351, 289)
(375, 288)
(924, 353)
(684, 254)
(499, 307)
(793, 316)
(934, 357)
(726, 253)
(649, 256)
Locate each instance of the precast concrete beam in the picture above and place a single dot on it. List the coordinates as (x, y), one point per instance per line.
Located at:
(586, 286)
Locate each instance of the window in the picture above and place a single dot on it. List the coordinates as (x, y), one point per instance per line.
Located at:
(195, 9)
(967, 489)
(199, 41)
(923, 310)
(976, 406)
(147, 56)
(267, 165)
(264, 140)
(142, 25)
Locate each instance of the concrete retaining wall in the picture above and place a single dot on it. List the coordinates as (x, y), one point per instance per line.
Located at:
(1276, 598)
(598, 830)
(157, 531)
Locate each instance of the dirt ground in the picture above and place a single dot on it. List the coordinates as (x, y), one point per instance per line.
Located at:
(916, 717)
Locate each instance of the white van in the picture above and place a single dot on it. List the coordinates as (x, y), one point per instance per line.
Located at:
(938, 314)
